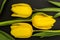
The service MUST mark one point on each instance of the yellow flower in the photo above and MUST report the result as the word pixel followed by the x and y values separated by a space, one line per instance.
pixel 21 10
pixel 43 21
pixel 21 30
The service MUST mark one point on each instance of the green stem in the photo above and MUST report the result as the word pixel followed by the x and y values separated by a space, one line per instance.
pixel 46 30
pixel 37 30
pixel 2 5
pixel 12 21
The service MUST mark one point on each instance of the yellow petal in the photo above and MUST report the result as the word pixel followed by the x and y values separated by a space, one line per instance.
pixel 20 4
pixel 42 21
pixel 21 30
pixel 23 10
pixel 15 15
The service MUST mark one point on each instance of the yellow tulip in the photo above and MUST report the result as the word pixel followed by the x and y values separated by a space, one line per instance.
pixel 21 10
pixel 21 30
pixel 43 21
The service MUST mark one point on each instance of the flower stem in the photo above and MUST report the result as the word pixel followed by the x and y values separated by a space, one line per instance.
pixel 46 30
pixel 2 5
pixel 37 30
pixel 12 21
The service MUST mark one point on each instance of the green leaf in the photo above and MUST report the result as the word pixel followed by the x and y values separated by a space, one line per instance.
pixel 2 5
pixel 5 36
pixel 49 9
pixel 57 15
pixel 48 33
pixel 55 3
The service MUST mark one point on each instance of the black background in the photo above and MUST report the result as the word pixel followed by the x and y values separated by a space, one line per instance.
pixel 6 15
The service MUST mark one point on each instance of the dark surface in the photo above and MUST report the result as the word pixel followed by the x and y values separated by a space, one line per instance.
pixel 6 15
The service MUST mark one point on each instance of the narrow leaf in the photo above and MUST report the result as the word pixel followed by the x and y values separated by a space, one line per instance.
pixel 2 5
pixel 49 9
pixel 48 33
pixel 5 36
pixel 55 3
pixel 2 37
pixel 57 15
